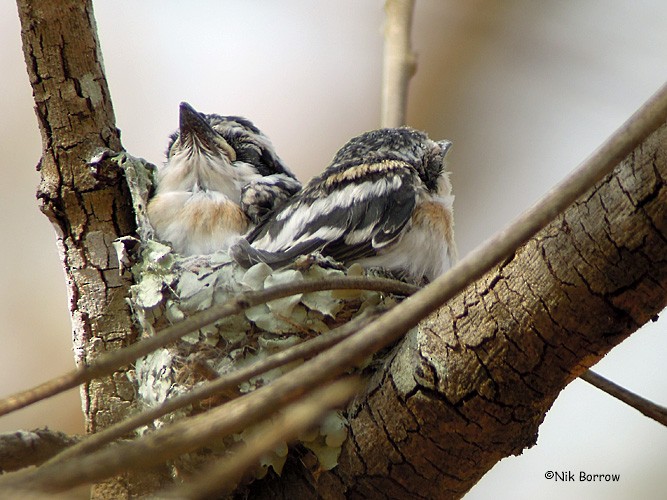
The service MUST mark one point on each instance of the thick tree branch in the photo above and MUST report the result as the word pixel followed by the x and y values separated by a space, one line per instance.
pixel 24 448
pixel 75 118
pixel 472 384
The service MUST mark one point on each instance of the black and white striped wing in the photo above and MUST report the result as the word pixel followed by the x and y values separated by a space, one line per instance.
pixel 347 215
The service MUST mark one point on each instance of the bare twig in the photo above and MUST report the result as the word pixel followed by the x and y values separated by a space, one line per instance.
pixel 399 63
pixel 194 432
pixel 304 350
pixel 108 363
pixel 223 476
pixel 23 448
pixel 648 408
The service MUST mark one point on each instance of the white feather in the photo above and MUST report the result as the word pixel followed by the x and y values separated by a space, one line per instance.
pixel 418 253
pixel 186 172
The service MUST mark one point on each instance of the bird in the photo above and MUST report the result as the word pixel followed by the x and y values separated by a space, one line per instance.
pixel 384 201
pixel 221 177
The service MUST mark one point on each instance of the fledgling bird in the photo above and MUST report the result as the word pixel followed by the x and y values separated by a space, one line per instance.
pixel 384 201
pixel 221 177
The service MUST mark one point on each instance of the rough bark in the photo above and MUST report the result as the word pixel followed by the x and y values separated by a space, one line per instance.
pixel 25 448
pixel 76 118
pixel 473 383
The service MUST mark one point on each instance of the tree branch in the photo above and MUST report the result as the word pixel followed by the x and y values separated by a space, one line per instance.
pixel 643 405
pixel 24 448
pixel 469 386
pixel 304 350
pixel 473 384
pixel 113 361
pixel 189 434
pixel 399 62
pixel 223 476
pixel 75 117
pixel 456 393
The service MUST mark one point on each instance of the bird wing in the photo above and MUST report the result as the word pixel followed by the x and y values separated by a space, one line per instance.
pixel 348 215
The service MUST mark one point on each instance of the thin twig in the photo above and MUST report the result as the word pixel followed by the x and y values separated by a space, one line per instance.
pixel 648 408
pixel 188 434
pixel 304 350
pixel 222 477
pixel 108 363
pixel 399 63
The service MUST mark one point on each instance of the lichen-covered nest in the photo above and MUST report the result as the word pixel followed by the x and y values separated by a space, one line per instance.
pixel 169 288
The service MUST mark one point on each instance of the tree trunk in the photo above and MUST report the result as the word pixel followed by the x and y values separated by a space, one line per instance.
pixel 88 212
pixel 76 118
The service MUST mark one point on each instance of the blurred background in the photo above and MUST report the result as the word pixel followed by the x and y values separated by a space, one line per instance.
pixel 524 89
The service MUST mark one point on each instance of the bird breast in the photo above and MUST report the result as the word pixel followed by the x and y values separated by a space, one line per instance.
pixel 199 222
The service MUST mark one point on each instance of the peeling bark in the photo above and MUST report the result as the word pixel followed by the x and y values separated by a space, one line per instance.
pixel 75 118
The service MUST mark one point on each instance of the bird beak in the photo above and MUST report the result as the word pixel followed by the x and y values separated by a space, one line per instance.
pixel 445 145
pixel 196 132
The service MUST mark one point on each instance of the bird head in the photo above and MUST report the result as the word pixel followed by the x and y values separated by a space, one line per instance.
pixel 425 156
pixel 196 136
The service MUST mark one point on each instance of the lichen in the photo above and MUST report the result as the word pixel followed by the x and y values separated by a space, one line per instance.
pixel 169 288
